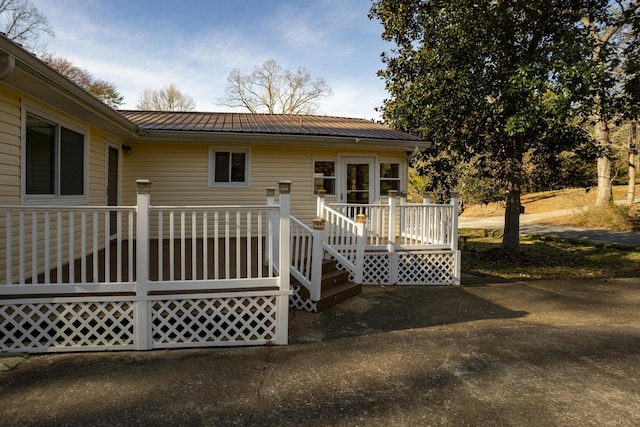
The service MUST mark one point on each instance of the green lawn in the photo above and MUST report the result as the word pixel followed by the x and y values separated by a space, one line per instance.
pixel 546 258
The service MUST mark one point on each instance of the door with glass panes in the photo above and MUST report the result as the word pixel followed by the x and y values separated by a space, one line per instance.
pixel 357 186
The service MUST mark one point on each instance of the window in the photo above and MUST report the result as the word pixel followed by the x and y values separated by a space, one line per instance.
pixel 228 167
pixel 54 159
pixel 389 178
pixel 324 177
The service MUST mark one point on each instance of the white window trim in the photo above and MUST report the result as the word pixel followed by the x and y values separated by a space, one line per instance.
pixel 335 176
pixel 401 179
pixel 247 171
pixel 49 199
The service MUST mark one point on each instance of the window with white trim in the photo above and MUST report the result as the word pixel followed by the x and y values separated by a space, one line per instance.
pixel 228 167
pixel 54 159
pixel 324 177
pixel 389 178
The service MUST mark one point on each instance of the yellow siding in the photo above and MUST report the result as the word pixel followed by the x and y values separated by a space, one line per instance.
pixel 179 174
pixel 10 171
pixel 9 147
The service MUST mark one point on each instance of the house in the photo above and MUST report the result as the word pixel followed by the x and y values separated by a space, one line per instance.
pixel 141 230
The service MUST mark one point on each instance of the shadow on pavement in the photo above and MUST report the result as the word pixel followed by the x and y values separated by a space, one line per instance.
pixel 394 308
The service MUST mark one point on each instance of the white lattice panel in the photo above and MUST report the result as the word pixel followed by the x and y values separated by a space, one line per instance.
pixel 64 326
pixel 299 303
pixel 426 268
pixel 211 320
pixel 376 268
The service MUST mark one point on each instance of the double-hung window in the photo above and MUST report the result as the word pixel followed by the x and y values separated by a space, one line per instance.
pixel 54 159
pixel 228 167
pixel 389 178
pixel 324 177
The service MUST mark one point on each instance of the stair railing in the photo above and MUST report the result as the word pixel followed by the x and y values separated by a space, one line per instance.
pixel 344 239
pixel 304 265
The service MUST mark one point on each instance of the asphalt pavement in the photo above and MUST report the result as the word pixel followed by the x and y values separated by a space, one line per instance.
pixel 529 224
pixel 529 353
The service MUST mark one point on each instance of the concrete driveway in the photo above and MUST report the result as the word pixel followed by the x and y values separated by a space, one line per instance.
pixel 539 353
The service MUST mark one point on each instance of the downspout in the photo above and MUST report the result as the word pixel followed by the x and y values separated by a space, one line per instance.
pixel 7 65
pixel 414 153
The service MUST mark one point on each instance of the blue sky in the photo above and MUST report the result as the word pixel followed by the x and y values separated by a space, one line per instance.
pixel 140 44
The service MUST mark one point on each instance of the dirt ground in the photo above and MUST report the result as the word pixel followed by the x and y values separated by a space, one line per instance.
pixel 513 354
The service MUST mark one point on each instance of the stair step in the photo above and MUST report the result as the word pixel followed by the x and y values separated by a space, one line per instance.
pixel 337 294
pixel 333 278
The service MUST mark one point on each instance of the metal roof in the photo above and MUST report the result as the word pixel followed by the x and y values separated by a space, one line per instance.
pixel 274 124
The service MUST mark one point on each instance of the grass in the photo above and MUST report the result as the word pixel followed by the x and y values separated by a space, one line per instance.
pixel 545 258
pixel 547 201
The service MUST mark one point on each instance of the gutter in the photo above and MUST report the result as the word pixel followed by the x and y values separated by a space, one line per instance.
pixel 175 136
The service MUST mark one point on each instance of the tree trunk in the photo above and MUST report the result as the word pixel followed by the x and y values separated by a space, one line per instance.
pixel 605 190
pixel 511 236
pixel 633 164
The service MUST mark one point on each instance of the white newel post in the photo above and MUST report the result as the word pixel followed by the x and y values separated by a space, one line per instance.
pixel 361 219
pixel 454 220
pixel 320 202
pixel 284 265
pixel 426 227
pixel 273 228
pixel 455 197
pixel 393 256
pixel 317 255
pixel 142 327
pixel 393 205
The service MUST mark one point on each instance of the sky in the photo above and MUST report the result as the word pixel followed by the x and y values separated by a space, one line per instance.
pixel 138 44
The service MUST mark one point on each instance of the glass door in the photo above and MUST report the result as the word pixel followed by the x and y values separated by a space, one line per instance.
pixel 358 179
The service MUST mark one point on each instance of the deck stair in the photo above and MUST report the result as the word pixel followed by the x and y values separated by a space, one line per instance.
pixel 336 286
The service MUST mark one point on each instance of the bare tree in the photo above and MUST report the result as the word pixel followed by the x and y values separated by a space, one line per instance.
pixel 23 23
pixel 274 90
pixel 169 98
pixel 102 89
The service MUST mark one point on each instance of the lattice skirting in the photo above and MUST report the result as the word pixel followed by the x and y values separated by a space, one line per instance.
pixel 213 321
pixel 85 323
pixel 411 268
pixel 66 325
pixel 297 301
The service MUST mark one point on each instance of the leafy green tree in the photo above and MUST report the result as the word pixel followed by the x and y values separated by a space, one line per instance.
pixel 614 30
pixel 485 80
pixel 104 90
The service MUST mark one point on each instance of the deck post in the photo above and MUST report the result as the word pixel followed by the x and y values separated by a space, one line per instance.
pixel 393 204
pixel 284 265
pixel 426 227
pixel 361 219
pixel 316 259
pixel 320 202
pixel 272 218
pixel 454 237
pixel 142 326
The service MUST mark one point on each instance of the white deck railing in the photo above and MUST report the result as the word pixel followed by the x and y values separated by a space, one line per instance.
pixel 406 225
pixel 70 245
pixel 80 278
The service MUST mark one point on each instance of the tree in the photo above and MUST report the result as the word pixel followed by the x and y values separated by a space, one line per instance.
pixel 488 81
pixel 169 98
pixel 273 90
pixel 614 29
pixel 104 90
pixel 23 23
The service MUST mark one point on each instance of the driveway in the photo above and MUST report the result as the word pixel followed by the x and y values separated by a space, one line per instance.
pixel 529 224
pixel 514 354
